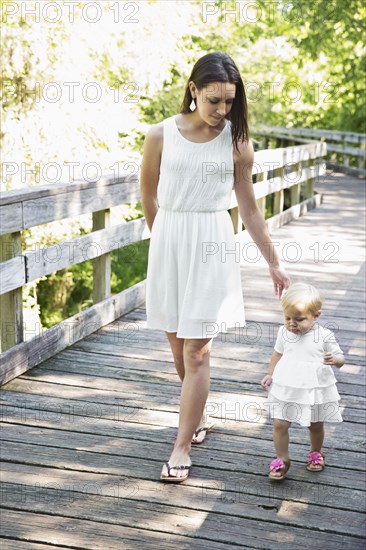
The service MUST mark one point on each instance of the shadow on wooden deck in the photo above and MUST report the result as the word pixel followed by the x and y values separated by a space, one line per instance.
pixel 85 434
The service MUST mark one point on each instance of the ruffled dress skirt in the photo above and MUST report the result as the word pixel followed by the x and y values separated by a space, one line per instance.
pixel 305 393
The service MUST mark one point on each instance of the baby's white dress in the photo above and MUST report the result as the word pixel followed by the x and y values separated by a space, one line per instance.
pixel 193 279
pixel 303 388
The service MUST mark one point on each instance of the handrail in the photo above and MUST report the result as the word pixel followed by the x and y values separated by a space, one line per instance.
pixel 330 135
pixel 277 171
pixel 342 156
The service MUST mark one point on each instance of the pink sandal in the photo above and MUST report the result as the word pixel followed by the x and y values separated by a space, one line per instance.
pixel 316 458
pixel 281 466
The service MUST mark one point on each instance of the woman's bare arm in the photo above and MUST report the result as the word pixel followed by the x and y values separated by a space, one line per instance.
pixel 252 216
pixel 150 171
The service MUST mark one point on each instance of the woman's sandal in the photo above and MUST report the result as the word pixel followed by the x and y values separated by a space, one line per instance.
pixel 205 429
pixel 175 479
pixel 316 458
pixel 281 466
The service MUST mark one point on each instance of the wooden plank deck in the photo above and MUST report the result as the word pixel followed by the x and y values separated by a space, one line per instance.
pixel 85 434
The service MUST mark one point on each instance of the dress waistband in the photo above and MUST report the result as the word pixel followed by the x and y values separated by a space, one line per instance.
pixel 192 211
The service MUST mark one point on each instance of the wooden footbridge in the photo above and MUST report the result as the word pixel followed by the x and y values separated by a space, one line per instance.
pixel 90 407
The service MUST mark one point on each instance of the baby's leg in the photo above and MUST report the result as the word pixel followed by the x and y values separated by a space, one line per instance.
pixel 316 431
pixel 281 438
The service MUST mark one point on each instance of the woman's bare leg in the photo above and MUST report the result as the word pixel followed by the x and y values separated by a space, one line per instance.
pixel 177 345
pixel 195 386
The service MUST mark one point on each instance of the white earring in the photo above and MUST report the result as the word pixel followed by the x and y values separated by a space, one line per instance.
pixel 192 105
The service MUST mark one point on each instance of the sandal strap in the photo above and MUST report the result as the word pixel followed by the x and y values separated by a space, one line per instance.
pixel 180 467
pixel 203 429
pixel 206 428
pixel 277 464
pixel 315 458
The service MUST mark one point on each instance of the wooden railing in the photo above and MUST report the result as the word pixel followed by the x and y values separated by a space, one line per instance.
pixel 346 150
pixel 290 170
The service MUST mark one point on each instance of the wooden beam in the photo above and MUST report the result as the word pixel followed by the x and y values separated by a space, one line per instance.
pixel 278 202
pixel 101 264
pixel 291 179
pixel 271 159
pixel 26 355
pixel 356 172
pixel 361 159
pixel 332 135
pixel 12 274
pixel 294 212
pixel 262 178
pixel 354 151
pixel 262 205
pixel 11 306
pixel 43 205
pixel 46 260
pixel 11 216
pixel 47 191
pixel 295 194
pixel 278 198
pixel 236 219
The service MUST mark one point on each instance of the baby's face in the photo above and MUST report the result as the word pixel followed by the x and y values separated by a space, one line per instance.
pixel 298 319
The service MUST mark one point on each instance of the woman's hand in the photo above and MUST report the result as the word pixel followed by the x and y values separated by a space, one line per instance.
pixel 280 279
pixel 266 382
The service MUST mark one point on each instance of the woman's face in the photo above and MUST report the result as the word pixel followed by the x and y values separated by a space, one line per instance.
pixel 214 101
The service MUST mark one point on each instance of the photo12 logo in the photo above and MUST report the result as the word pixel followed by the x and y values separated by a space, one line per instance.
pixel 255 11
pixel 69 92
pixel 69 10
pixel 67 172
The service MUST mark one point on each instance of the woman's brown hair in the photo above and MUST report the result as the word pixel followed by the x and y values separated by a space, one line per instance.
pixel 219 67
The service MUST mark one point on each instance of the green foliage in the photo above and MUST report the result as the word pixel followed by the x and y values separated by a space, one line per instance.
pixel 69 291
pixel 333 31
pixel 129 265
pixel 162 104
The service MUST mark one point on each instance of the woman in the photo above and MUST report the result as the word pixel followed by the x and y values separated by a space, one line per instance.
pixel 190 163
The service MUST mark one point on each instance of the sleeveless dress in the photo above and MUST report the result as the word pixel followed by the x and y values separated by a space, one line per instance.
pixel 303 388
pixel 193 280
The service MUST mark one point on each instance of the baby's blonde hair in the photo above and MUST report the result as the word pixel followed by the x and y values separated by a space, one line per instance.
pixel 304 293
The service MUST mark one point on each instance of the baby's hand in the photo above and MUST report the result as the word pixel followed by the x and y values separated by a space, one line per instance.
pixel 336 360
pixel 266 382
pixel 328 359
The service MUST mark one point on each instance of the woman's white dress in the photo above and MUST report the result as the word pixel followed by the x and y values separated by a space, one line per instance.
pixel 303 388
pixel 193 280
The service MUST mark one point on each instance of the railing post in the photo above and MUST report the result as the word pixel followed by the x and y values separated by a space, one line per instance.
pixel 345 156
pixel 361 159
pixel 295 190
pixel 262 205
pixel 309 183
pixel 236 219
pixel 262 200
pixel 11 303
pixel 102 264
pixel 278 195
